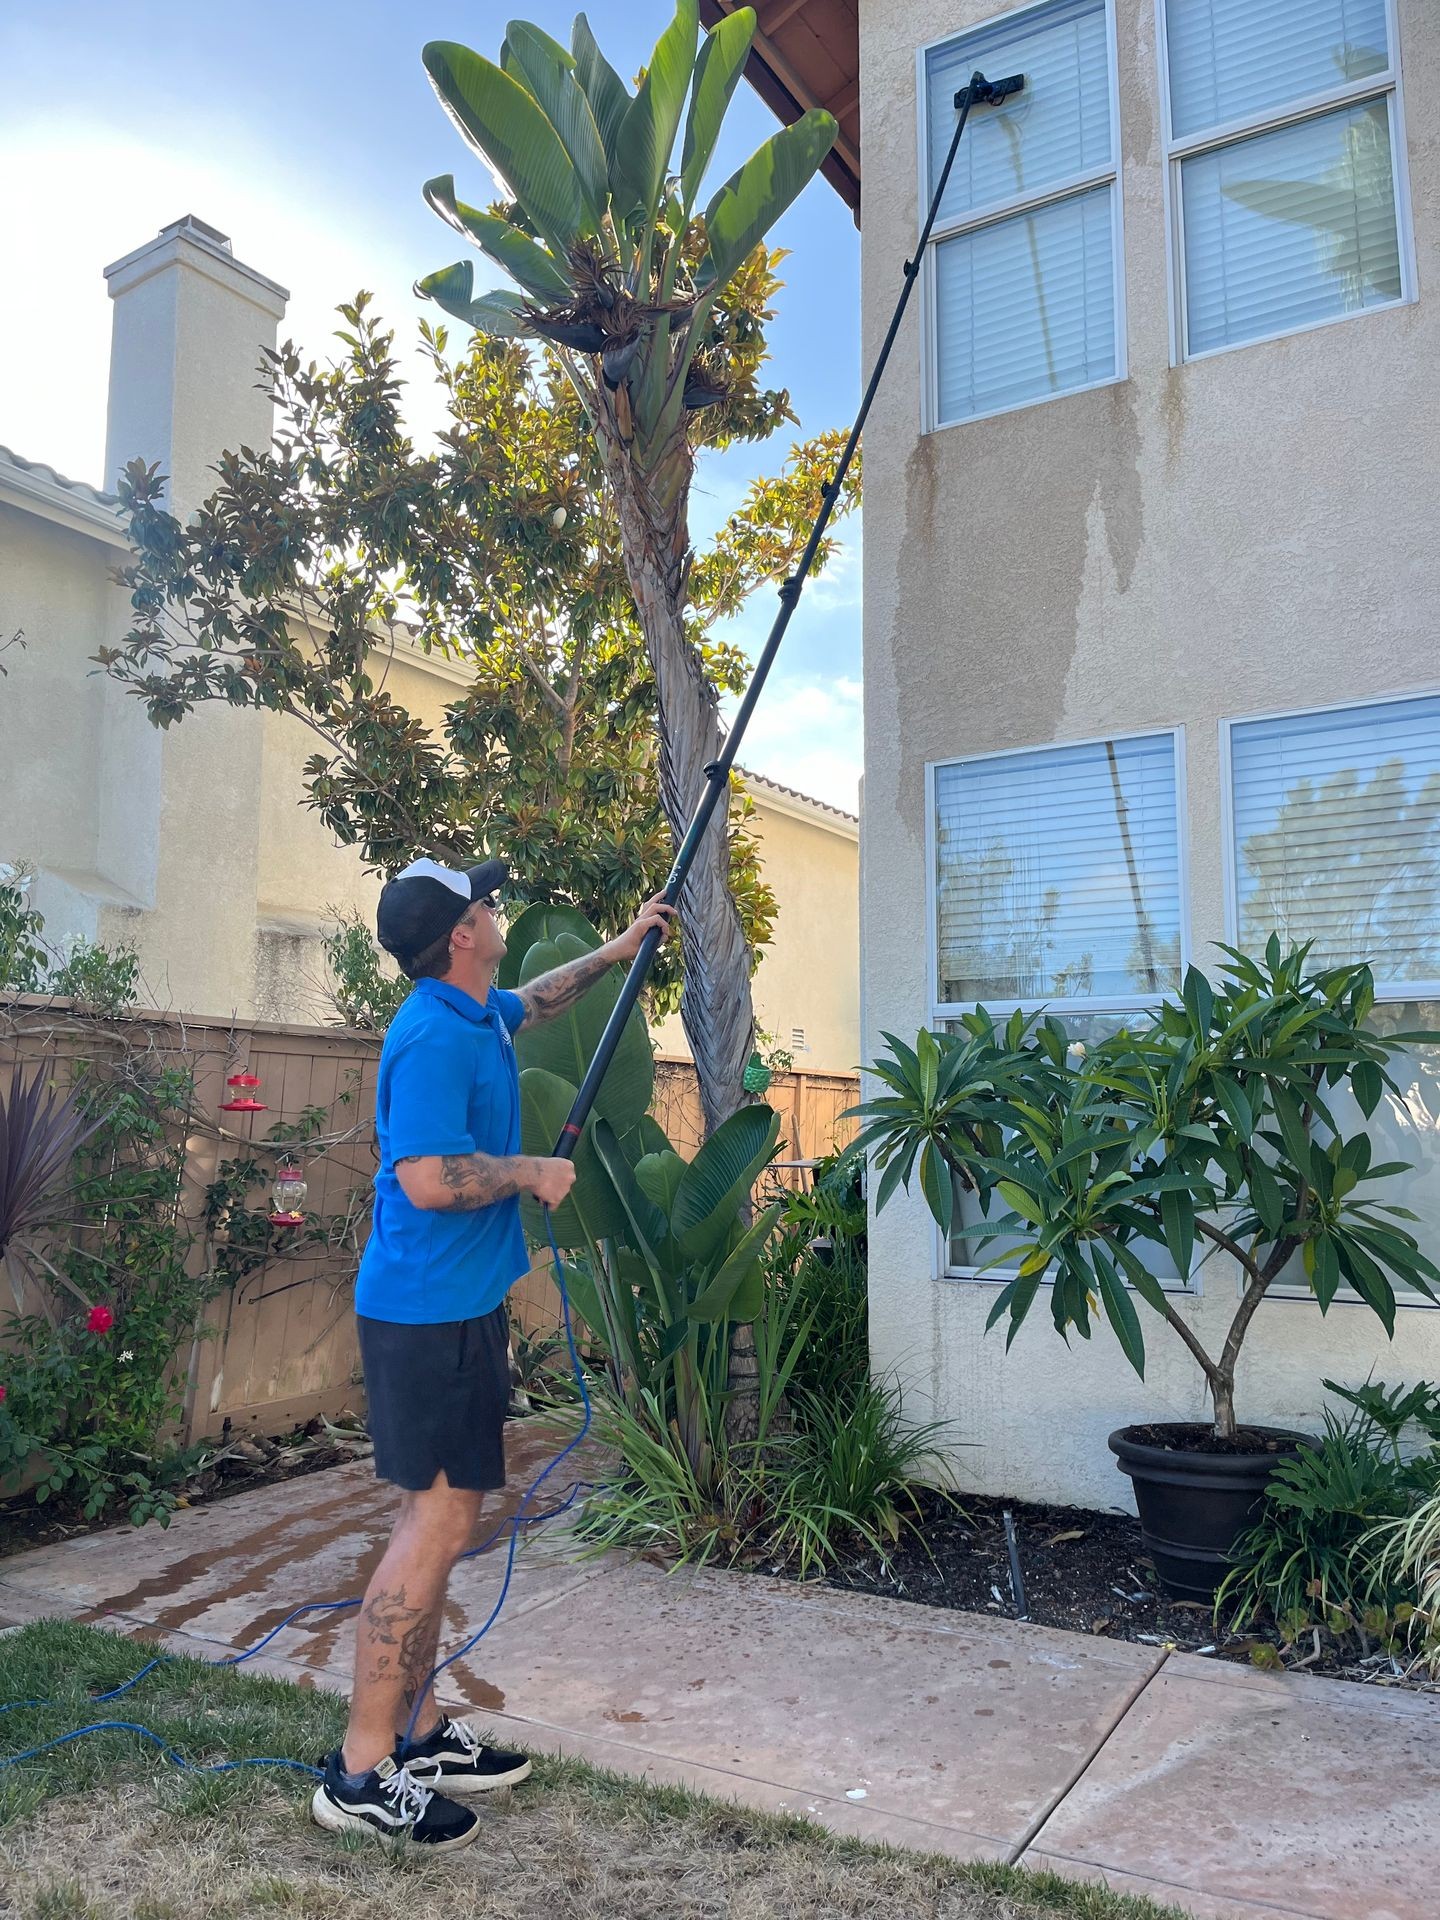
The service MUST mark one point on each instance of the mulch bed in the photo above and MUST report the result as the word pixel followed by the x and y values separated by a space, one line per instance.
pixel 1084 1571
pixel 233 1467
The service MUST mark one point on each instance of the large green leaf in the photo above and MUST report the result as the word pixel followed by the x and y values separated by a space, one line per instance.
pixel 719 1178
pixel 659 1175
pixel 593 1208
pixel 733 1293
pixel 722 61
pixel 648 1227
pixel 1120 1310
pixel 652 120
pixel 540 921
pixel 566 1044
pixel 507 127
pixel 752 199
pixel 525 261
pixel 544 66
pixel 499 314
pixel 607 93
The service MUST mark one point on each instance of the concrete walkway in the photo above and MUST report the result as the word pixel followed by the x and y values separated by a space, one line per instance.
pixel 1235 1795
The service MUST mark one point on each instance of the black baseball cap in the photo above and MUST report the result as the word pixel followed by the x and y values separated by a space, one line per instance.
pixel 424 901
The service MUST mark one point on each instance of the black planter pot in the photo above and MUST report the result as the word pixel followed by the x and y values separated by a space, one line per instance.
pixel 1194 1506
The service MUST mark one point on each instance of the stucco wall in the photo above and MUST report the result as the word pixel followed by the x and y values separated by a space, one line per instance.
pixel 1246 533
pixel 809 976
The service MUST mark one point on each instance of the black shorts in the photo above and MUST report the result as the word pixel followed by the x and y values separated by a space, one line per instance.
pixel 438 1397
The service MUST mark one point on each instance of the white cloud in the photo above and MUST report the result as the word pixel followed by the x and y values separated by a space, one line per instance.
pixel 59 331
pixel 807 734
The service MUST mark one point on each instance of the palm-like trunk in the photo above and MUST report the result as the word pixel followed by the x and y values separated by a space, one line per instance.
pixel 654 534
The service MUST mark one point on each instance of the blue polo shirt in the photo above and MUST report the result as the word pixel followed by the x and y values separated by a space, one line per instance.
pixel 448 1084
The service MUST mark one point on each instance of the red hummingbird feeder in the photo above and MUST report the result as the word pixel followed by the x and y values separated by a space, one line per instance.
pixel 242 1095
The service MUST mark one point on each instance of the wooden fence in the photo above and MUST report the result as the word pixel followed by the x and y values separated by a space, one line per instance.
pixel 279 1345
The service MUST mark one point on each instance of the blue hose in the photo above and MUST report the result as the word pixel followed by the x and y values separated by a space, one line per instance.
pixel 520 1518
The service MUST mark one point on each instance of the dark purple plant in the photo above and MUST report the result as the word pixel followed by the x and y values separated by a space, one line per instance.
pixel 41 1130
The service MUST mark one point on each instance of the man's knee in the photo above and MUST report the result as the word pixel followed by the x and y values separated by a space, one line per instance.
pixel 444 1515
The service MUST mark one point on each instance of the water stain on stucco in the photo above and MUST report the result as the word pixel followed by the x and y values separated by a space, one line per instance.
pixel 975 673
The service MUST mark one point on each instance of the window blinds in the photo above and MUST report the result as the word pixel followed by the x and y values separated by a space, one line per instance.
pixel 1290 228
pixel 1026 308
pixel 1337 835
pixel 1059 874
pixel 1231 59
pixel 1057 128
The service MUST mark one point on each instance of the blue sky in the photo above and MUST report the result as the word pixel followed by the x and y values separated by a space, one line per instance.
pixel 304 131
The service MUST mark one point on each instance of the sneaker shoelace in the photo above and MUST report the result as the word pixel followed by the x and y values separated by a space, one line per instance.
pixel 407 1796
pixel 458 1731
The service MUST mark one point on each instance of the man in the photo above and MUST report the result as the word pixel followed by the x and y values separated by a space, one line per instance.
pixel 444 1249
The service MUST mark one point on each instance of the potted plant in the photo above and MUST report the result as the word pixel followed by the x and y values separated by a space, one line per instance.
pixel 1209 1130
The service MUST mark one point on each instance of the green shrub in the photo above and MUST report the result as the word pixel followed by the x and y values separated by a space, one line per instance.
pixel 1313 1563
pixel 104 978
pixel 91 1385
pixel 364 985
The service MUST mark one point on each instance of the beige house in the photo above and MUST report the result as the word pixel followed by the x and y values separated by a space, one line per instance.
pixel 191 845
pixel 1150 601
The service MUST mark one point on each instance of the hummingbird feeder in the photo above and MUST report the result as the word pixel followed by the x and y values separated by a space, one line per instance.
pixel 242 1095
pixel 289 1193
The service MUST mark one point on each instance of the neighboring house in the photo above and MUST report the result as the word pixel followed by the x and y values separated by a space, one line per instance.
pixel 192 845
pixel 1151 591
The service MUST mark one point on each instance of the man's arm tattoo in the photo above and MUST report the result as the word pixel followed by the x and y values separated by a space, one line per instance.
pixel 474 1180
pixel 553 992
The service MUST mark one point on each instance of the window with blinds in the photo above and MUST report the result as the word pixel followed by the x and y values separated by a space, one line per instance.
pixel 1284 165
pixel 1058 876
pixel 1023 269
pixel 1336 837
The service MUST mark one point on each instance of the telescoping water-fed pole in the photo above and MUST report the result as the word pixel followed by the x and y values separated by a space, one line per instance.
pixel 978 92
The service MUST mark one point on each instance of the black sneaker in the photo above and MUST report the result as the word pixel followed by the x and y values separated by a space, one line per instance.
pixel 452 1759
pixel 392 1802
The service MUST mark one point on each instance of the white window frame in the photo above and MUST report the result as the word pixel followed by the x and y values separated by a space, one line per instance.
pixel 946 1010
pixel 1054 191
pixel 1374 86
pixel 1385 991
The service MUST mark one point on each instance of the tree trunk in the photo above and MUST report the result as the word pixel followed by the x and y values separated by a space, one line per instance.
pixel 1222 1393
pixel 715 1008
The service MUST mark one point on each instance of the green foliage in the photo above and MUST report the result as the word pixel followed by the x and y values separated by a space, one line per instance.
pixel 104 978
pixel 1314 1564
pixel 670 1263
pixel 1210 1127
pixel 364 984
pixel 600 235
pixel 316 562
pixel 110 1282
pixel 846 1473
pixel 88 1407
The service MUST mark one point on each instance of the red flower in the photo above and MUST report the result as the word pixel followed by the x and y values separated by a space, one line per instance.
pixel 101 1320
pixel 3 1392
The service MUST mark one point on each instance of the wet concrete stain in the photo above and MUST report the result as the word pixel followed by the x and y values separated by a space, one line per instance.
pixel 999 1663
pixel 477 1692
pixel 625 1719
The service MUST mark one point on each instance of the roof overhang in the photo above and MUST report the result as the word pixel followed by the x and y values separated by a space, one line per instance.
pixel 807 54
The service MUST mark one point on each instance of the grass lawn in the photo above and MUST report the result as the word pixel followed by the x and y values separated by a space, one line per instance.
pixel 104 1827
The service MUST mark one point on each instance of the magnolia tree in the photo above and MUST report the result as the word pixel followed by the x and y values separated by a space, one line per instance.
pixel 318 563
pixel 614 265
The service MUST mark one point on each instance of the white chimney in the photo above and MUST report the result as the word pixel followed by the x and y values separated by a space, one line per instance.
pixel 190 321
pixel 178 813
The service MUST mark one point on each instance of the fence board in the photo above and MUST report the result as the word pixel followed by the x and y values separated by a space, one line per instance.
pixel 280 1345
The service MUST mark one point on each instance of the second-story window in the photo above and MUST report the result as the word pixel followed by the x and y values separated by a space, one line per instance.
pixel 1024 266
pixel 1287 194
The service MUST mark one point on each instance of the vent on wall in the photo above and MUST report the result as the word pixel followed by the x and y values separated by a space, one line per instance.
pixel 797 1040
